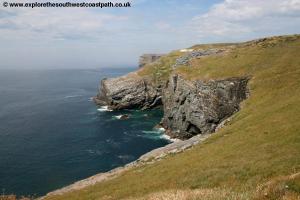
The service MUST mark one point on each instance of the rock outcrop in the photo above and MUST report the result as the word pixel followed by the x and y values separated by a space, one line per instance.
pixel 148 58
pixel 190 107
pixel 197 107
pixel 128 92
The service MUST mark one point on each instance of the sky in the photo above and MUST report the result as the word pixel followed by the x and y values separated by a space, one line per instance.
pixel 67 38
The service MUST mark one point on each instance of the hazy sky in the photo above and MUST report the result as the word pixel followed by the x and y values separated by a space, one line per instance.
pixel 116 37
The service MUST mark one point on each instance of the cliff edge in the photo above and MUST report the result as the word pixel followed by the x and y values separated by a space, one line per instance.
pixel 190 107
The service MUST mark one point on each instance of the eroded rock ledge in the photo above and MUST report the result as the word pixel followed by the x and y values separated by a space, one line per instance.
pixel 190 107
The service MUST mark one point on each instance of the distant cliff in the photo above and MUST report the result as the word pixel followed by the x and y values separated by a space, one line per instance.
pixel 148 58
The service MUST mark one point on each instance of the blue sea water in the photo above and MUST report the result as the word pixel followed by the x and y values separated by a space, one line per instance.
pixel 52 134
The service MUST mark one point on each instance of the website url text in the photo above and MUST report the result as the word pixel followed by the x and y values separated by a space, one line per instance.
pixel 67 5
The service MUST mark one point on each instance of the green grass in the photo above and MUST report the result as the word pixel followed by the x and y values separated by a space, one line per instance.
pixel 161 69
pixel 262 141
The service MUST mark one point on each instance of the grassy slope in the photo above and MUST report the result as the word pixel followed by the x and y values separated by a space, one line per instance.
pixel 262 141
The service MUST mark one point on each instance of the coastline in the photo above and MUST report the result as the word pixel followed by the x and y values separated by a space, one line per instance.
pixel 148 158
pixel 132 91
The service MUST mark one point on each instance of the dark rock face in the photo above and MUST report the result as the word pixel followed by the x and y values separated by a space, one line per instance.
pixel 190 107
pixel 197 107
pixel 128 92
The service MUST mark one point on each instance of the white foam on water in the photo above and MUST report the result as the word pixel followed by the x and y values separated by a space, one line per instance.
pixel 158 133
pixel 151 132
pixel 117 116
pixel 154 134
pixel 104 109
pixel 162 131
pixel 72 96
pixel 166 137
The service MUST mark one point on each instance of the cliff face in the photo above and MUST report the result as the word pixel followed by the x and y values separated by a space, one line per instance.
pixel 128 92
pixel 190 107
pixel 197 107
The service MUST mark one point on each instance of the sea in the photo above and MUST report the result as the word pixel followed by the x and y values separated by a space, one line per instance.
pixel 52 134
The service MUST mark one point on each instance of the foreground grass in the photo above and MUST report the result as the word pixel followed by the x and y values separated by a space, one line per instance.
pixel 285 188
pixel 261 143
pixel 204 194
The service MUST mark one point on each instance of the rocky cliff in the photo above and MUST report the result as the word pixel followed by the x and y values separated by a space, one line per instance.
pixel 190 107
pixel 128 92
pixel 197 107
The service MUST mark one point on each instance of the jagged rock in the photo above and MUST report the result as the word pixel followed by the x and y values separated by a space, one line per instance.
pixel 128 92
pixel 190 107
pixel 197 107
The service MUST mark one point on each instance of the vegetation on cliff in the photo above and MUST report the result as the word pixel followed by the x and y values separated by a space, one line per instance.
pixel 256 156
